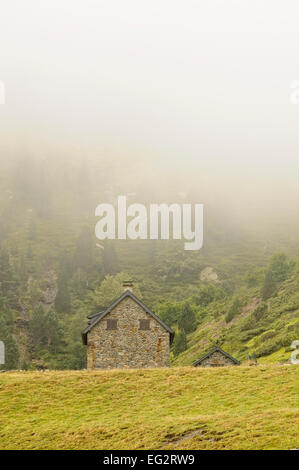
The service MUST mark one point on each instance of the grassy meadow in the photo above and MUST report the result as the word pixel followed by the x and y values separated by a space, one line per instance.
pixel 178 408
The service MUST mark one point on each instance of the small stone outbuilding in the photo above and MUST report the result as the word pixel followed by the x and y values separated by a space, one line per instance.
pixel 216 358
pixel 127 335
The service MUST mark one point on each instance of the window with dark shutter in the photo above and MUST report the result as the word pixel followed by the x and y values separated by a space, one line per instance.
pixel 111 324
pixel 144 325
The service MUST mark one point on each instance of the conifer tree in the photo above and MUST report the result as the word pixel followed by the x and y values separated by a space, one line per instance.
pixel 84 250
pixel 63 298
pixel 269 285
pixel 11 349
pixel 187 319
pixel 110 261
pixel 180 342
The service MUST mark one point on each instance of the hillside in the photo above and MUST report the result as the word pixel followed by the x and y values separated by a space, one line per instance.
pixel 180 408
pixel 53 273
pixel 249 323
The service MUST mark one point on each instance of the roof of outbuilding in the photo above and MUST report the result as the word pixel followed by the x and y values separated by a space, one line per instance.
pixel 93 315
pixel 96 317
pixel 212 352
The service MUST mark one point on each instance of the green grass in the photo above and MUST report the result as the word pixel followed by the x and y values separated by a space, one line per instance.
pixel 268 333
pixel 278 356
pixel 179 408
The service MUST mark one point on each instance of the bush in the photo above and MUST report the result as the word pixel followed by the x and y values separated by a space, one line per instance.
pixel 254 277
pixel 169 312
pixel 267 349
pixel 260 311
pixel 268 335
pixel 247 335
pixel 207 294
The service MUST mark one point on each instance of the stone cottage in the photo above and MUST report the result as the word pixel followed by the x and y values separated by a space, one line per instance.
pixel 216 358
pixel 127 335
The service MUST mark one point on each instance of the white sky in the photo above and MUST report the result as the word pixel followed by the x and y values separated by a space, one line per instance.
pixel 199 84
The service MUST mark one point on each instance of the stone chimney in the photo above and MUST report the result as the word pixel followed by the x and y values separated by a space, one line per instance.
pixel 128 285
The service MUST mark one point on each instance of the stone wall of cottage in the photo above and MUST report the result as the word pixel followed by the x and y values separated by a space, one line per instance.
pixel 217 359
pixel 127 346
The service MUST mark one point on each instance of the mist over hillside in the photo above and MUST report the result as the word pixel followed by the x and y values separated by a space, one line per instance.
pixel 53 269
pixel 171 103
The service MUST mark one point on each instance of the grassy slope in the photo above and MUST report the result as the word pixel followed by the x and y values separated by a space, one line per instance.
pixel 182 408
pixel 270 336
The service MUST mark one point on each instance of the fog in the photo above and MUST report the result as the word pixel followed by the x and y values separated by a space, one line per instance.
pixel 186 100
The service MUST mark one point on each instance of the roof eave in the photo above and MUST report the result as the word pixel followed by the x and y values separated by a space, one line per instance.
pixel 235 361
pixel 116 302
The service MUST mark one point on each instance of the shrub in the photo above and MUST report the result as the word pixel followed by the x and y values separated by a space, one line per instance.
pixel 268 334
pixel 260 311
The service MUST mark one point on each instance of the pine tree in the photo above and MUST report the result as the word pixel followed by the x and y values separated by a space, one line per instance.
pixel 280 267
pixel 180 342
pixel 53 329
pixel 110 261
pixel 84 253
pixel 11 353
pixel 269 285
pixel 110 289
pixel 7 279
pixel 187 319
pixel 63 298
pixel 75 350
pixel 11 349
pixel 37 327
pixel 234 310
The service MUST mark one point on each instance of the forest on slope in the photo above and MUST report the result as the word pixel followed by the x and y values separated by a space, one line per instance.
pixel 240 291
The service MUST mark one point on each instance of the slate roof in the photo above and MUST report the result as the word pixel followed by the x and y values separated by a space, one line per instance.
pixel 96 317
pixel 93 315
pixel 197 363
